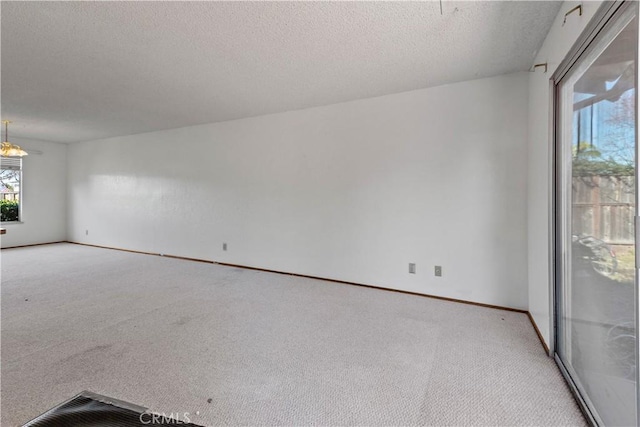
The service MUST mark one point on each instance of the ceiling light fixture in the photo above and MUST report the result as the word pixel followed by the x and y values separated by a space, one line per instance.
pixel 8 149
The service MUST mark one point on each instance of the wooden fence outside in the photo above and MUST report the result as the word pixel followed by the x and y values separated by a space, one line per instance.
pixel 10 195
pixel 603 207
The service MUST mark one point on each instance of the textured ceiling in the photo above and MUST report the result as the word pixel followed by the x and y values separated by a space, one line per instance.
pixel 74 71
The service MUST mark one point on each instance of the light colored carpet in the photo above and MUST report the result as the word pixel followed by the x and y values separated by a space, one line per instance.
pixel 266 349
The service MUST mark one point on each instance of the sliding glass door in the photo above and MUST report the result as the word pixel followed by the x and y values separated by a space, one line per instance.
pixel 596 198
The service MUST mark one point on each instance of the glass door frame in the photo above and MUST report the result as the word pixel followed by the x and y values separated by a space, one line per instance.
pixel 608 12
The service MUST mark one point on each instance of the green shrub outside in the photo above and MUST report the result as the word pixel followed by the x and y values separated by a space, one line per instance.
pixel 9 210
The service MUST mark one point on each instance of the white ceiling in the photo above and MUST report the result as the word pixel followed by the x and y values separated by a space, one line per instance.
pixel 75 71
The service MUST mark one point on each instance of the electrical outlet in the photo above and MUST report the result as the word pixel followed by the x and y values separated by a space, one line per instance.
pixel 438 270
pixel 412 268
pixel 86 232
pixel 224 246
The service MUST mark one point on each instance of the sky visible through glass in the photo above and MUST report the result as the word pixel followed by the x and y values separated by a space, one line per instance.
pixel 606 129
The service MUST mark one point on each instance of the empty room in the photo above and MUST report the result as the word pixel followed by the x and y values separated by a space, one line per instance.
pixel 319 213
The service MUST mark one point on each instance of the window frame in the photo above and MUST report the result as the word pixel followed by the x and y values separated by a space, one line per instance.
pixel 20 191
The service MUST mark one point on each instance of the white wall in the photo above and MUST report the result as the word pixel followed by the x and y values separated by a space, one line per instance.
pixel 556 46
pixel 352 191
pixel 44 196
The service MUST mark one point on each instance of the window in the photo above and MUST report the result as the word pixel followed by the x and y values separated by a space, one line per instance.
pixel 10 188
pixel 596 239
